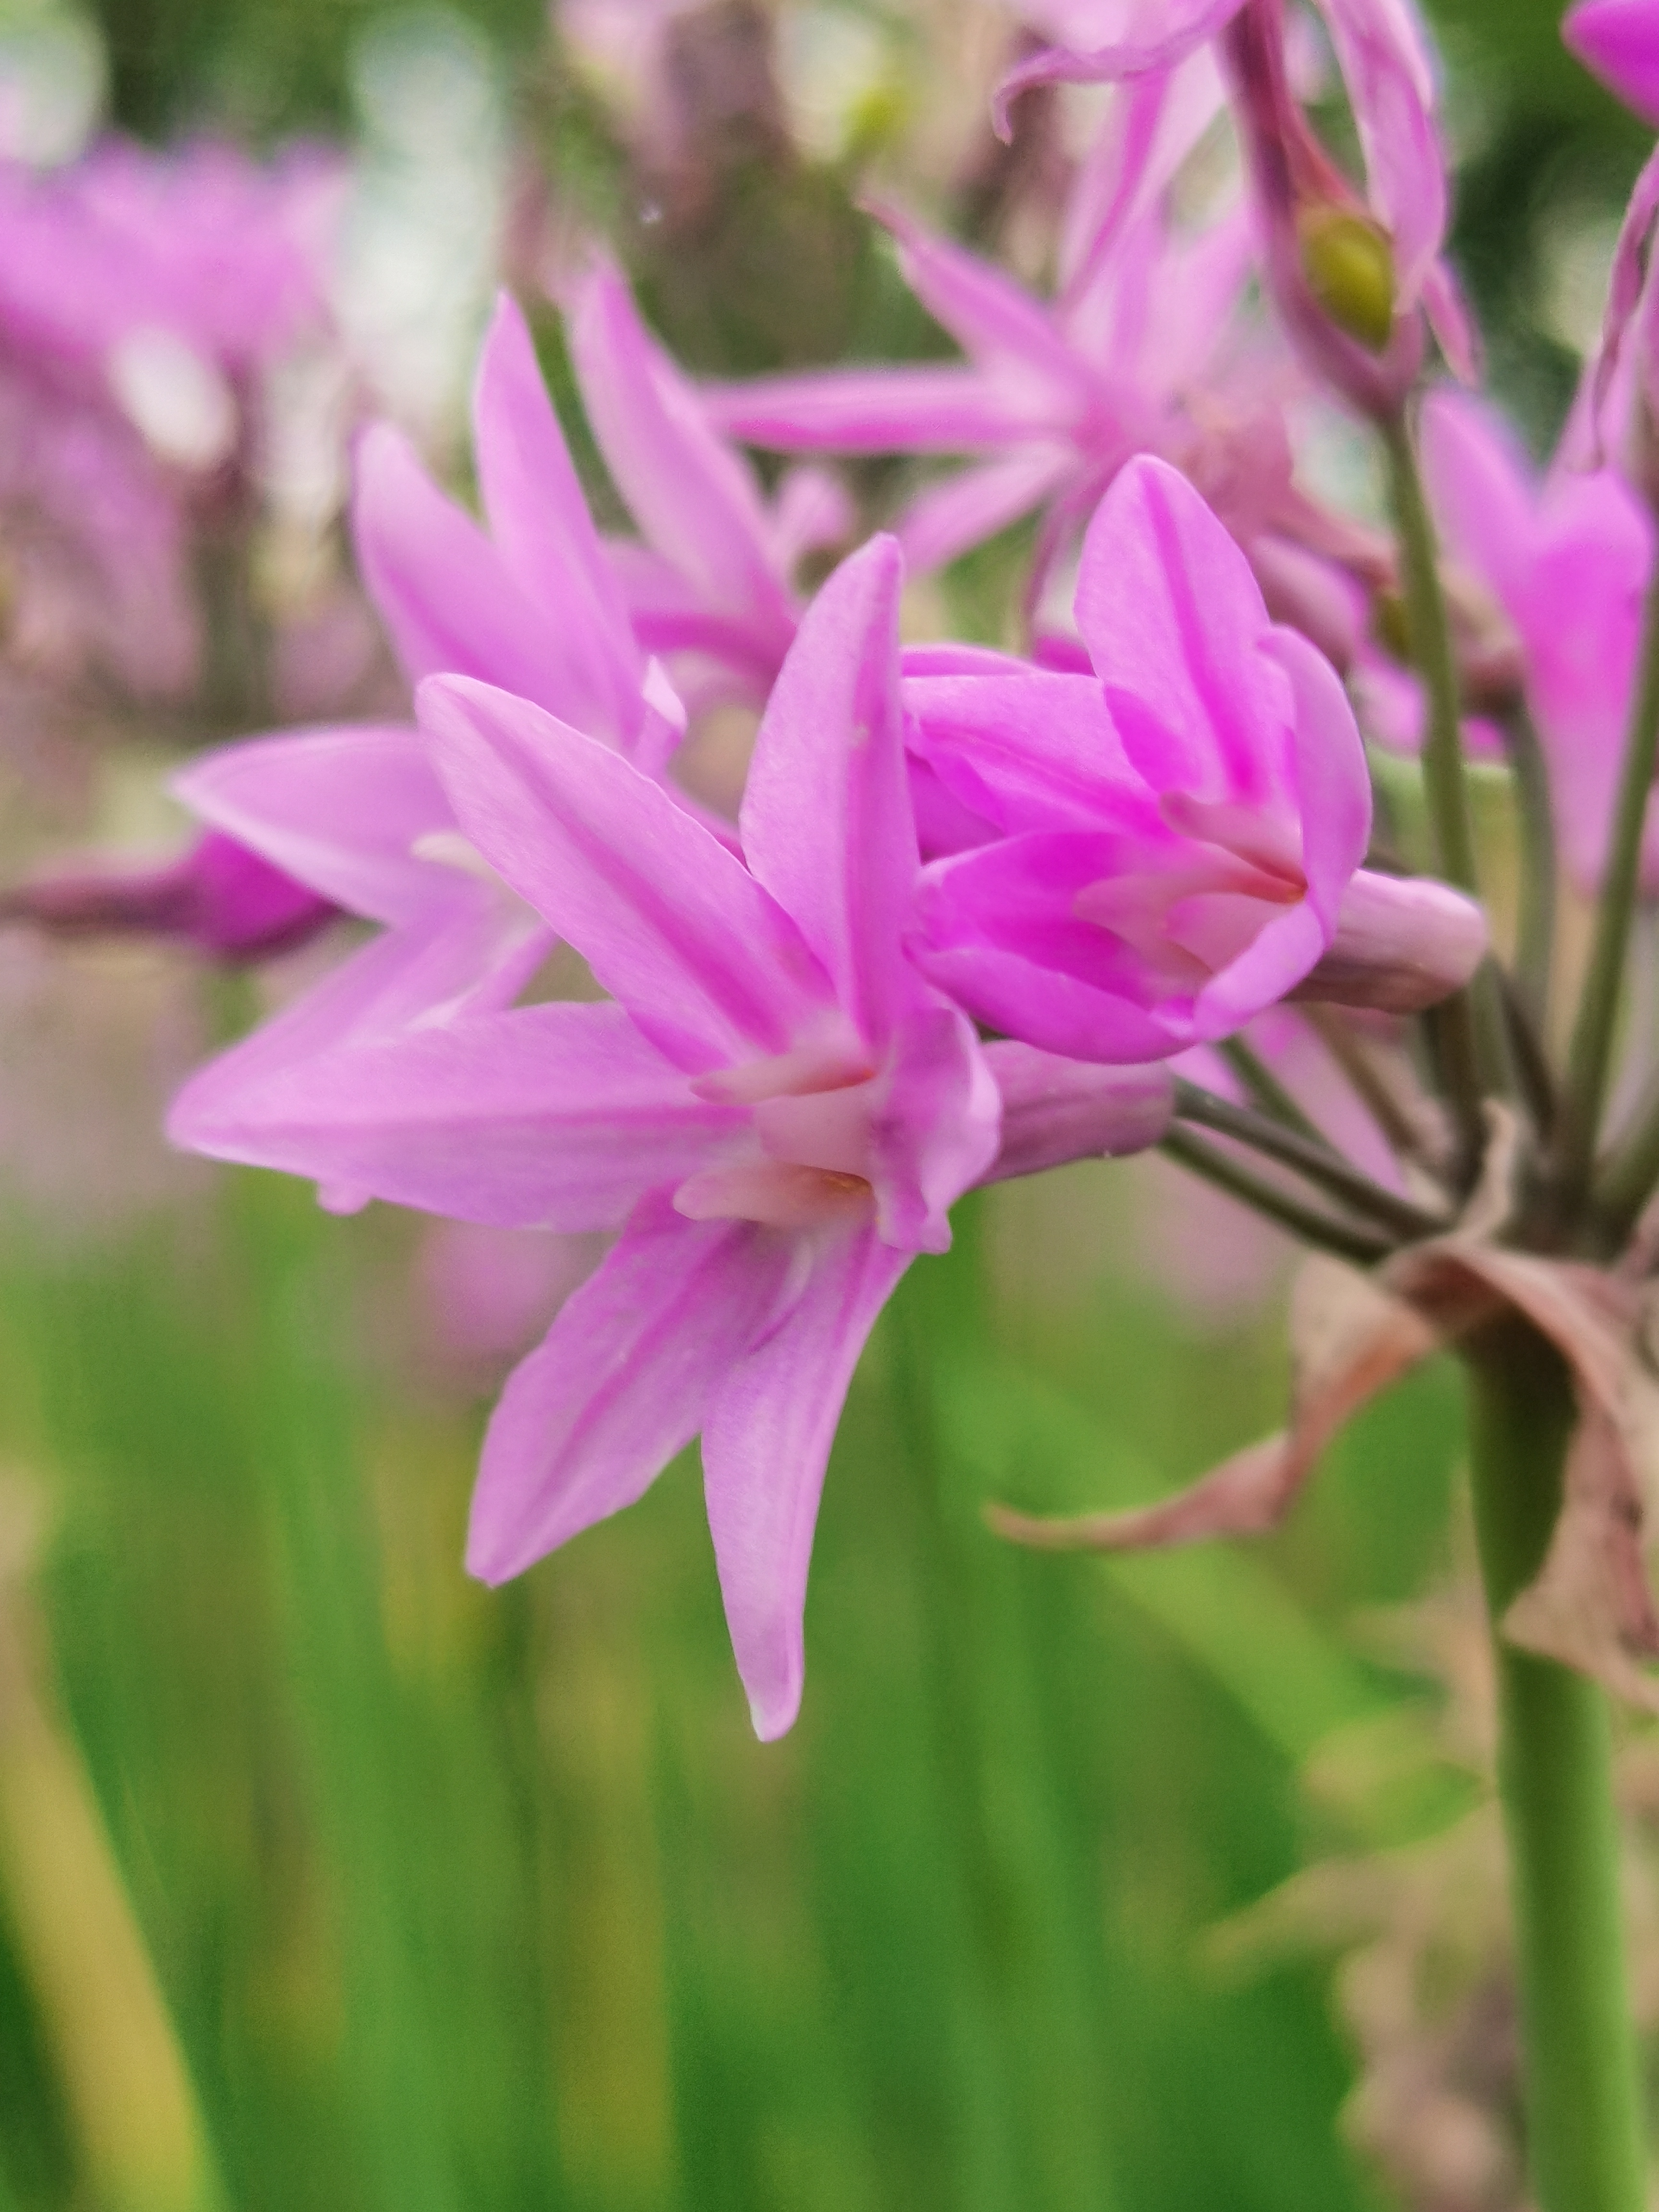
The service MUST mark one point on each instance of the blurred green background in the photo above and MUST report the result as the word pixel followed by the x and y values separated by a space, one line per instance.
pixel 328 1878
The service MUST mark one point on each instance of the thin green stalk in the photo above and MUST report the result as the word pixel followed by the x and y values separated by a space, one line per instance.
pixel 1472 1022
pixel 1268 1092
pixel 1323 1230
pixel 1591 1053
pixel 1583 2118
pixel 1371 1087
pixel 1314 1162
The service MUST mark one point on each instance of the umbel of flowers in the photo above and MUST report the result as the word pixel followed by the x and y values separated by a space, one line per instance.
pixel 978 915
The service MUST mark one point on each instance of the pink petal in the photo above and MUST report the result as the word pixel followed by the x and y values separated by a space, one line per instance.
pixel 940 1129
pixel 1039 1004
pixel 1035 749
pixel 825 823
pixel 692 497
pixel 946 520
pixel 1383 54
pixel 1619 41
pixel 1483 495
pixel 468 954
pixel 766 1443
pixel 1173 618
pixel 1141 39
pixel 929 408
pixel 554 1116
pixel 672 925
pixel 1333 785
pixel 622 1382
pixel 443 589
pixel 539 522
pixel 990 317
pixel 340 810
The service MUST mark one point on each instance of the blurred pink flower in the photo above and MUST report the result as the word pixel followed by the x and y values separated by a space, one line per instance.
pixel 219 898
pixel 1565 565
pixel 1384 57
pixel 139 293
pixel 199 242
pixel 1130 356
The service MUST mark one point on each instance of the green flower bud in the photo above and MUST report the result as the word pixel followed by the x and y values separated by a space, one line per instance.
pixel 1349 264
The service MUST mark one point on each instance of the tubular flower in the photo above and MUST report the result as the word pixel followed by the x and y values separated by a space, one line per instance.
pixel 776 1111
pixel 1172 843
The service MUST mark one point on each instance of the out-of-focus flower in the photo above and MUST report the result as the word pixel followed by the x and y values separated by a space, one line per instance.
pixel 219 898
pixel 141 295
pixel 1177 838
pixel 1564 568
pixel 201 244
pixel 1349 271
pixel 1129 357
pixel 1619 41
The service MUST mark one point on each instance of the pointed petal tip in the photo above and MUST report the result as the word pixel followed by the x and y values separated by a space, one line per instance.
pixel 773 1714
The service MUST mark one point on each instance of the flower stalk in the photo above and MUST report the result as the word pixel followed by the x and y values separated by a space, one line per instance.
pixel 1555 1780
pixel 1471 1024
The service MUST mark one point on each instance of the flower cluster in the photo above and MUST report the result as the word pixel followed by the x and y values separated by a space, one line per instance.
pixel 978 912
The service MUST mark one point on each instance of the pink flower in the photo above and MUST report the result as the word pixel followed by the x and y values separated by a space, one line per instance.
pixel 1173 843
pixel 1358 327
pixel 139 292
pixel 1565 565
pixel 228 258
pixel 355 814
pixel 1619 41
pixel 776 1111
pixel 1056 396
pixel 219 898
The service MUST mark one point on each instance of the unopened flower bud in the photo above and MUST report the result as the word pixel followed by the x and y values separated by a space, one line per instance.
pixel 1402 943
pixel 1349 265
pixel 1056 1109
pixel 219 898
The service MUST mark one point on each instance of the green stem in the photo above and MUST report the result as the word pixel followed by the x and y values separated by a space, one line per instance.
pixel 1323 1231
pixel 1591 1053
pixel 1268 1092
pixel 1314 1162
pixel 1471 1024
pixel 1585 2137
